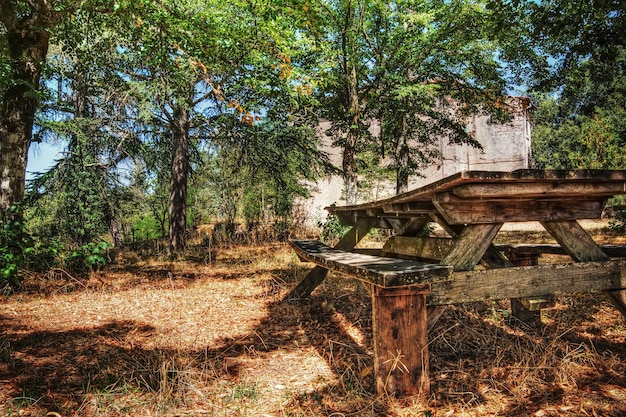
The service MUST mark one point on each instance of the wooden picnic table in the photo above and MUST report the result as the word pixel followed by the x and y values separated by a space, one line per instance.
pixel 471 206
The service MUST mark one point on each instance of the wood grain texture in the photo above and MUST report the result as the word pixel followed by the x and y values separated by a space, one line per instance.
pixel 458 210
pixel 470 246
pixel 318 274
pixel 399 321
pixel 565 185
pixel 529 281
pixel 422 247
pixel 575 240
pixel 380 271
pixel 540 189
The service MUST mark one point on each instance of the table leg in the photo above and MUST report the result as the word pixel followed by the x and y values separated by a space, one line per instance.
pixel 582 248
pixel 575 241
pixel 318 274
pixel 491 258
pixel 470 246
pixel 399 324
pixel 412 227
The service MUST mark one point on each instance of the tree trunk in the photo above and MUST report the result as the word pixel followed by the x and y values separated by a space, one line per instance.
pixel 350 174
pixel 402 156
pixel 27 36
pixel 350 171
pixel 178 185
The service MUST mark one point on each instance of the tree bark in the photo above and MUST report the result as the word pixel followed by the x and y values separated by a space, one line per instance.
pixel 178 185
pixel 402 155
pixel 350 171
pixel 351 103
pixel 27 37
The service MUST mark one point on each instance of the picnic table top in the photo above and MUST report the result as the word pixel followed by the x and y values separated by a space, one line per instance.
pixel 541 191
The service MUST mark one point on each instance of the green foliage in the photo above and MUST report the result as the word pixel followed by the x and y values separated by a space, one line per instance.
pixel 19 251
pixel 580 120
pixel 15 245
pixel 332 230
pixel 243 391
pixel 418 67
pixel 255 172
pixel 618 223
pixel 76 200
pixel 88 258
pixel 576 142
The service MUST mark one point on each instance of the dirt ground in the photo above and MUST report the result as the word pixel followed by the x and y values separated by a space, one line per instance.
pixel 151 337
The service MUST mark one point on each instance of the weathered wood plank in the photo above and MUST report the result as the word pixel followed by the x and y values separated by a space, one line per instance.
pixel 422 247
pixel 615 251
pixel 437 247
pixel 529 281
pixel 318 274
pixel 418 207
pixel 399 324
pixel 383 272
pixel 458 210
pixel 538 189
pixel 491 259
pixel 470 246
pixel 419 199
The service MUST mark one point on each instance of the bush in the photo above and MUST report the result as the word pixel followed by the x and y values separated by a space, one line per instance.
pixel 332 230
pixel 18 251
pixel 88 258
pixel 618 224
pixel 15 245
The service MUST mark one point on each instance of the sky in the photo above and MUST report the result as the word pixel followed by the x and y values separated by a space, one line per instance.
pixel 41 156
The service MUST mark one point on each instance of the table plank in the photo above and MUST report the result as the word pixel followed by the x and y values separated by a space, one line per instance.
pixel 540 189
pixel 590 188
pixel 457 210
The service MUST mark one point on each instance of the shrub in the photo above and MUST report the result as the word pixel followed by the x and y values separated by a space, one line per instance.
pixel 332 230
pixel 88 258
pixel 15 245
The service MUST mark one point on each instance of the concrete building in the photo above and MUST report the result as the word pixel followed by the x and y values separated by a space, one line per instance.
pixel 506 147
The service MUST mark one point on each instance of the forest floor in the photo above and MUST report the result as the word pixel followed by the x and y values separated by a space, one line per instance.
pixel 150 337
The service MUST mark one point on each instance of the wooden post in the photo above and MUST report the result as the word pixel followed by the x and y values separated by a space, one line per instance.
pixel 399 321
pixel 521 308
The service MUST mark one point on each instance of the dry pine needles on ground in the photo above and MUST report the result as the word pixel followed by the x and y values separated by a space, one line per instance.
pixel 153 338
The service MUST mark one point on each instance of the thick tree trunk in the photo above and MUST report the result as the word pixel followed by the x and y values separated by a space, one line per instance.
pixel 178 185
pixel 27 37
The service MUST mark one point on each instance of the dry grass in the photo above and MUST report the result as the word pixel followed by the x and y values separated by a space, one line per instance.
pixel 158 338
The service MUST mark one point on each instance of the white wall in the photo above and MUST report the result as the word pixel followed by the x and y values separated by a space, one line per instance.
pixel 506 147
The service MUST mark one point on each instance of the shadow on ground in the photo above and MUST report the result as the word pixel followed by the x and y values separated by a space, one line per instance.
pixel 476 359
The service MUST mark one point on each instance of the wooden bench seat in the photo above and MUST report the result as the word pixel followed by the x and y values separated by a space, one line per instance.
pixel 380 271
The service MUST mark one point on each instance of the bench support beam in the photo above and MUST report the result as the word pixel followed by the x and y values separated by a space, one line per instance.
pixel 399 320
